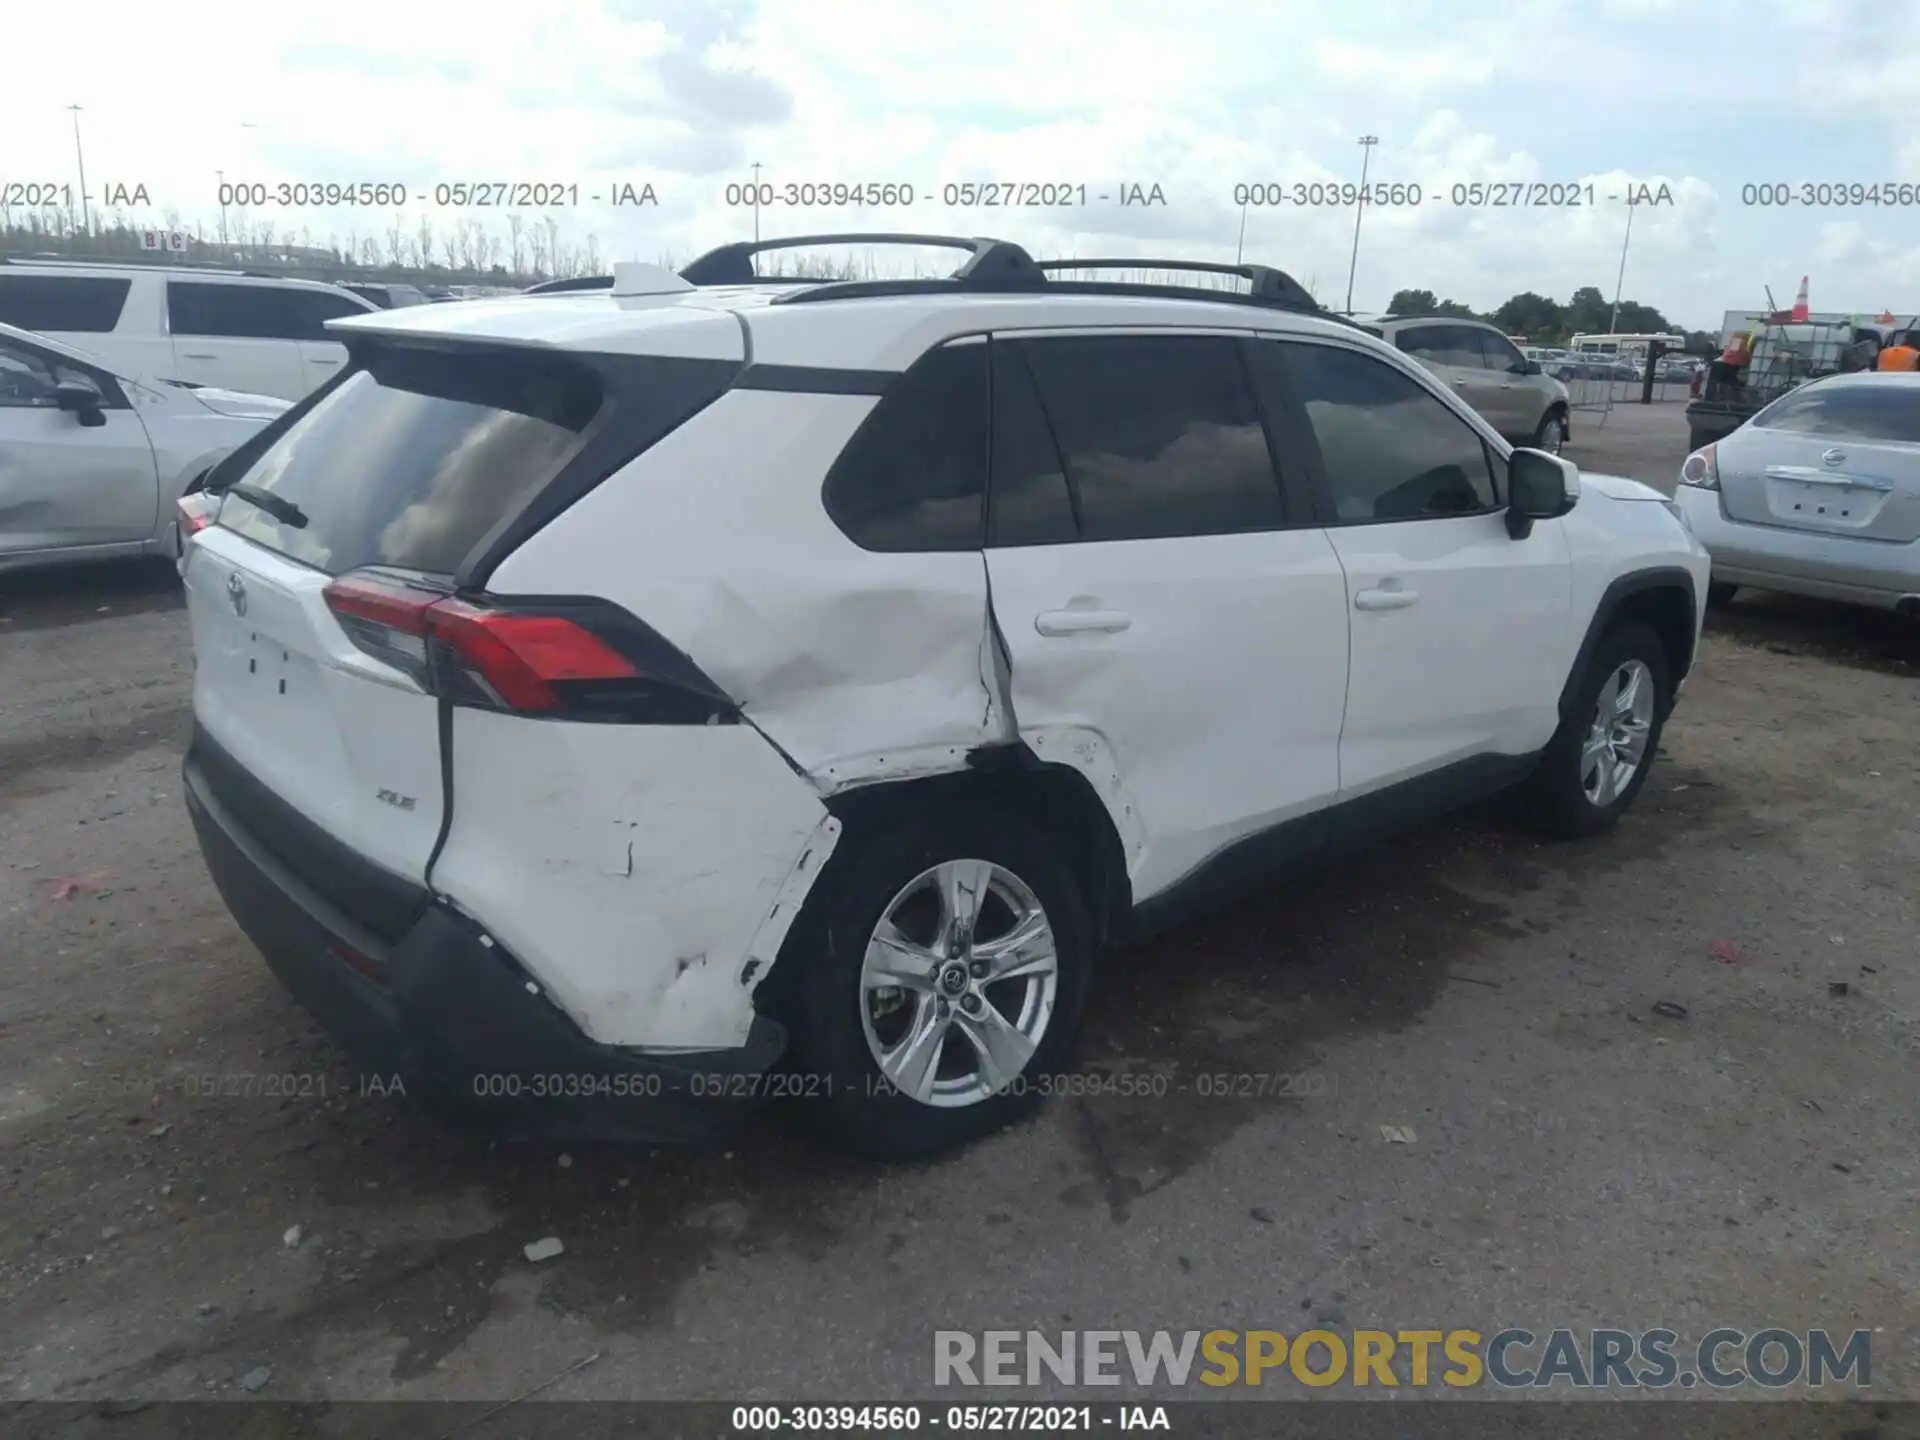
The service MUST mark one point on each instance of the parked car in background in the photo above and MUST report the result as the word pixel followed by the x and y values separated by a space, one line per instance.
pixel 92 460
pixel 1818 494
pixel 934 677
pixel 1489 372
pixel 386 296
pixel 263 335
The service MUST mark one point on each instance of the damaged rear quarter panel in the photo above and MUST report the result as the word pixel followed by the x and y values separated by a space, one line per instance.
pixel 636 871
pixel 859 666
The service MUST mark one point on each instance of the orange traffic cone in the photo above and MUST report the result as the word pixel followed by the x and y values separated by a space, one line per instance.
pixel 1800 311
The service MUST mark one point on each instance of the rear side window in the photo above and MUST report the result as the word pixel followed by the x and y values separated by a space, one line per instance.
pixel 83 304
pixel 1860 412
pixel 1159 435
pixel 415 457
pixel 1445 345
pixel 253 312
pixel 914 476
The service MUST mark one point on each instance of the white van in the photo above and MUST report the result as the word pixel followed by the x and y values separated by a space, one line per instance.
pixel 221 328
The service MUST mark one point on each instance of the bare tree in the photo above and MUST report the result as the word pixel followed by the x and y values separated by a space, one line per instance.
pixel 537 253
pixel 370 253
pixel 450 246
pixel 396 240
pixel 553 242
pixel 516 253
pixel 593 254
pixel 424 242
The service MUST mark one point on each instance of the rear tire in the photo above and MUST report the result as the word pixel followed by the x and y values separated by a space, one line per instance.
pixel 1551 434
pixel 1584 781
pixel 843 1025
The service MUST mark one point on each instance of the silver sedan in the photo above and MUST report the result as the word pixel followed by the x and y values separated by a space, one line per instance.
pixel 1818 494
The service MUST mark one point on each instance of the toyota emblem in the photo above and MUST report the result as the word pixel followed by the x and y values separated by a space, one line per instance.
pixel 237 594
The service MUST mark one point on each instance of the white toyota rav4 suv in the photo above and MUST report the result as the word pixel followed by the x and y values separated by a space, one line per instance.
pixel 621 703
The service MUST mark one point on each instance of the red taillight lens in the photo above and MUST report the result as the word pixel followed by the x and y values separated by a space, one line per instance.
pixel 196 512
pixel 508 659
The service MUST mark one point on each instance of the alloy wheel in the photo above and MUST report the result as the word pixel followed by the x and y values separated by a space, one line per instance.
pixel 958 983
pixel 1616 743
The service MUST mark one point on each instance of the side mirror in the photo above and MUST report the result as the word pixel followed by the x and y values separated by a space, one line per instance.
pixel 1532 367
pixel 1539 487
pixel 82 400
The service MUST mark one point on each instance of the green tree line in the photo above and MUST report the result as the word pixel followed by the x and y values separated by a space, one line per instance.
pixel 1549 322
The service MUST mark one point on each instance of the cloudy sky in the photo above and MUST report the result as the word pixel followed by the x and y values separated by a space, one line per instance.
pixel 1704 97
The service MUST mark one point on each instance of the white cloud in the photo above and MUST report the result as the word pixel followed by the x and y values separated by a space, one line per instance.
pixel 1701 95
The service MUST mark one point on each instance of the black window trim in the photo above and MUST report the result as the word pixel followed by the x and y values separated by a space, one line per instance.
pixel 1284 458
pixel 1327 514
pixel 113 397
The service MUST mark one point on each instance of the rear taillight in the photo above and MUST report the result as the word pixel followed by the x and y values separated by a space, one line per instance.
pixel 196 512
pixel 1701 469
pixel 579 658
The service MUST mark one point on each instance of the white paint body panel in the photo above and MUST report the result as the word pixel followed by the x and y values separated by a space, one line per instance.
pixel 857 665
pixel 639 872
pixel 142 345
pixel 1220 703
pixel 1468 668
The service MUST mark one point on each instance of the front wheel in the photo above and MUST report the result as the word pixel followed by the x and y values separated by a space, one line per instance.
pixel 1551 435
pixel 1597 761
pixel 944 984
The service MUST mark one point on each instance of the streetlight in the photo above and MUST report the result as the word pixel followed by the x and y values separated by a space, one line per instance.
pixel 1613 324
pixel 86 219
pixel 1241 246
pixel 756 202
pixel 1367 142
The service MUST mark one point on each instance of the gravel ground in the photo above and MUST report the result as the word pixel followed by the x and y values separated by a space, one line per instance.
pixel 1575 1157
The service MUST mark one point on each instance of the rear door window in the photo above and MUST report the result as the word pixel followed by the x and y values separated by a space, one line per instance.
pixel 1859 412
pixel 415 457
pixel 253 312
pixel 77 304
pixel 1159 436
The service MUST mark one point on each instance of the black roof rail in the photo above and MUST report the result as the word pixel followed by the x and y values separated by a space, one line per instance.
pixel 1264 282
pixel 572 283
pixel 991 263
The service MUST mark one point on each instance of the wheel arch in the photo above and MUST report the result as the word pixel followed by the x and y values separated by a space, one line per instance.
pixel 1006 777
pixel 1661 598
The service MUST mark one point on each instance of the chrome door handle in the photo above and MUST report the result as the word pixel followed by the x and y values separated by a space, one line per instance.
pixel 1080 622
pixel 1384 599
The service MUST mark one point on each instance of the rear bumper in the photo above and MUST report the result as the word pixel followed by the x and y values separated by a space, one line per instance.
pixel 1799 562
pixel 461 1026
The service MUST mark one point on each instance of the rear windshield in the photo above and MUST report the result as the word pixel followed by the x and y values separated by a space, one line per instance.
pixel 414 458
pixel 83 304
pixel 1861 412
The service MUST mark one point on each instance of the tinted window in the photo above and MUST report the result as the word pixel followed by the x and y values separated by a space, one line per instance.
pixel 307 312
pixel 913 478
pixel 1160 435
pixel 1031 502
pixel 1862 412
pixel 75 303
pixel 1389 449
pixel 1501 353
pixel 253 312
pixel 415 457
pixel 1444 345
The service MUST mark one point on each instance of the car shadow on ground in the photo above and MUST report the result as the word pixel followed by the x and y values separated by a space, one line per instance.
pixel 79 594
pixel 1790 625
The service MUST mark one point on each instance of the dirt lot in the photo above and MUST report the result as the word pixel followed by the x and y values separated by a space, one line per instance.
pixel 1577 1158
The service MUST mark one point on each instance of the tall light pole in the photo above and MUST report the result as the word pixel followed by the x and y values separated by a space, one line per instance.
pixel 756 202
pixel 1613 324
pixel 1367 142
pixel 1240 247
pixel 221 195
pixel 86 219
